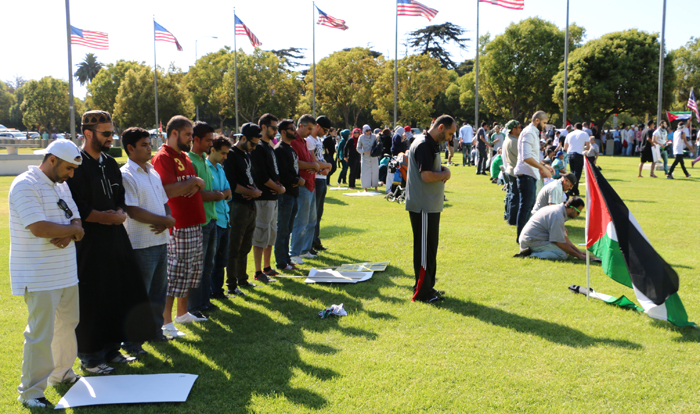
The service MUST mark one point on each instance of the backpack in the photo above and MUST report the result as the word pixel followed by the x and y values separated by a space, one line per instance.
pixel 377 148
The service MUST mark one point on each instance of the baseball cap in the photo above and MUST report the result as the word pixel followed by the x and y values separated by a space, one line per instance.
pixel 65 150
pixel 251 130
pixel 323 122
pixel 559 153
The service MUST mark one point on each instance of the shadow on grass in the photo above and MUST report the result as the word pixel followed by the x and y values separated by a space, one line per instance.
pixel 332 200
pixel 639 201
pixel 687 333
pixel 550 331
pixel 328 232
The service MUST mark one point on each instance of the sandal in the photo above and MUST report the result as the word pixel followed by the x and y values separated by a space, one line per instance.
pixel 101 369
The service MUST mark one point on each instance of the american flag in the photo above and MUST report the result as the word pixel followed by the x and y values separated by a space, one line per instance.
pixel 693 104
pixel 242 29
pixel 508 4
pixel 163 35
pixel 330 21
pixel 95 40
pixel 413 8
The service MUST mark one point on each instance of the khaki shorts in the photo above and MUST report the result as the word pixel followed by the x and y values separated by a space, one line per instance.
pixel 265 232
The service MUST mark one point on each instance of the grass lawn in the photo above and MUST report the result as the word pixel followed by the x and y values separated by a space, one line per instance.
pixel 510 337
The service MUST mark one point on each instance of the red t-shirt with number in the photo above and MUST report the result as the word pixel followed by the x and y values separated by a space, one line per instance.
pixel 174 166
pixel 299 145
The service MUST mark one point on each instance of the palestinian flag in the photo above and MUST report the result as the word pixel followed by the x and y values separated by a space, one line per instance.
pixel 672 116
pixel 614 235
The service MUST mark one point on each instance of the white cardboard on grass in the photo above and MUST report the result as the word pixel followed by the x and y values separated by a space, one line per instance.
pixel 362 194
pixel 333 276
pixel 337 188
pixel 128 389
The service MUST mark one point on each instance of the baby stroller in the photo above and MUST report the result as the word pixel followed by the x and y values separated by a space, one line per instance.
pixel 398 166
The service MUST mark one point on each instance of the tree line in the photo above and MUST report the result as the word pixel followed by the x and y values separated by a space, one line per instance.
pixel 521 70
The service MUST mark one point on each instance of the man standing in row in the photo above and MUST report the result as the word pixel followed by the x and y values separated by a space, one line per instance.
pixel 305 220
pixel 425 192
pixel 44 221
pixel 481 145
pixel 239 172
pixel 466 136
pixel 267 179
pixel 288 164
pixel 183 188
pixel 315 147
pixel 575 145
pixel 113 300
pixel 219 151
pixel 148 222
pixel 510 159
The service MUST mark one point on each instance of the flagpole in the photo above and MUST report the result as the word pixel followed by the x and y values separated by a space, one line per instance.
pixel 566 70
pixel 476 103
pixel 235 66
pixel 155 68
pixel 313 53
pixel 588 256
pixel 396 65
pixel 661 67
pixel 71 101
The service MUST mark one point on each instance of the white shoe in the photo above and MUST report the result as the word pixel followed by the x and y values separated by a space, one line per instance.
pixel 171 330
pixel 308 255
pixel 188 317
pixel 297 260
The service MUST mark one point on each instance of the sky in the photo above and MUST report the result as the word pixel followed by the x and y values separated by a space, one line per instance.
pixel 33 42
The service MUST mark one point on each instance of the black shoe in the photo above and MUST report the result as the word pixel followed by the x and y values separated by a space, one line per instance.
pixel 319 247
pixel 162 338
pixel 262 277
pixel 438 292
pixel 669 176
pixel 247 284
pixel 314 252
pixel 198 314
pixel 524 252
pixel 210 307
pixel 433 299
pixel 220 296
pixel 236 292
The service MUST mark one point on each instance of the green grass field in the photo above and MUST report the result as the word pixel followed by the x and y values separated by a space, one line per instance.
pixel 510 337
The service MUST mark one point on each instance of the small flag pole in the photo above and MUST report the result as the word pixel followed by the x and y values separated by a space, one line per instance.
pixel 235 67
pixel 155 68
pixel 313 53
pixel 588 255
pixel 71 103
pixel 396 65
pixel 566 71
pixel 661 67
pixel 476 103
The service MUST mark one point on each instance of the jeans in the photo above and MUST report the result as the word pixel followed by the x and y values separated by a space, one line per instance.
pixel 664 156
pixel 304 222
pixel 481 164
pixel 466 151
pixel 243 217
pixel 512 200
pixel 343 172
pixel 630 149
pixel 153 264
pixel 618 147
pixel 334 166
pixel 576 168
pixel 678 160
pixel 220 261
pixel 528 194
pixel 549 252
pixel 199 296
pixel 321 190
pixel 286 212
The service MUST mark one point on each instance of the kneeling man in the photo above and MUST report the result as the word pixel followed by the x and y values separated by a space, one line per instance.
pixel 544 235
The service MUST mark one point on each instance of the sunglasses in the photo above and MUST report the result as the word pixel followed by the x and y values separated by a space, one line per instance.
pixel 274 128
pixel 63 206
pixel 105 134
pixel 577 210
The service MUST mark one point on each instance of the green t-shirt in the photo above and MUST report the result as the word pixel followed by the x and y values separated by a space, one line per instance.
pixel 203 172
pixel 496 163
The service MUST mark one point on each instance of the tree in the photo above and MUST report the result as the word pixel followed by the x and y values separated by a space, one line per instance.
pixel 14 84
pixel 7 99
pixel 431 40
pixel 516 70
pixel 135 102
pixel 45 104
pixel 614 74
pixel 205 82
pixel 290 57
pixel 87 69
pixel 447 102
pixel 103 90
pixel 344 83
pixel 421 79
pixel 264 86
pixel 686 61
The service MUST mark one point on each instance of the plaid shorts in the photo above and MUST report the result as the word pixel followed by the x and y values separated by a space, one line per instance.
pixel 185 260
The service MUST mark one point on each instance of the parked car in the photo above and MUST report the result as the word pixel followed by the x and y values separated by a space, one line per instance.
pixel 19 134
pixel 34 135
pixel 6 135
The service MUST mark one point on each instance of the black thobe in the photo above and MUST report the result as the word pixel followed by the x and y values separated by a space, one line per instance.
pixel 114 304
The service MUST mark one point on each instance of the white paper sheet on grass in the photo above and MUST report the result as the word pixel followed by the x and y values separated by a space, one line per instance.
pixel 333 276
pixel 362 194
pixel 128 389
pixel 337 188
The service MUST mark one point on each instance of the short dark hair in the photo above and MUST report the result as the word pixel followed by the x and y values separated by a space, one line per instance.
pixel 483 124
pixel 284 124
pixel 177 123
pixel 46 158
pixel 571 177
pixel 445 120
pixel 201 129
pixel 267 120
pixel 575 202
pixel 133 135
pixel 578 125
pixel 306 119
pixel 650 123
pixel 221 141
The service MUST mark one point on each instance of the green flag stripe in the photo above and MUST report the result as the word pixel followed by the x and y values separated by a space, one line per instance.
pixel 675 311
pixel 613 262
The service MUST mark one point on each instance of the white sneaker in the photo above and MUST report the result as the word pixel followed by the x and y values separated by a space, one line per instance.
pixel 171 330
pixel 188 317
pixel 308 255
pixel 36 402
pixel 297 260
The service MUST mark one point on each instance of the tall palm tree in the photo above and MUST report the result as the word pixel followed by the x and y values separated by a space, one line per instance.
pixel 87 69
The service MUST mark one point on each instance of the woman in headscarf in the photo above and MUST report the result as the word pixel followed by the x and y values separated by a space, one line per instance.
pixel 352 157
pixel 386 141
pixel 369 174
pixel 398 143
pixel 344 135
